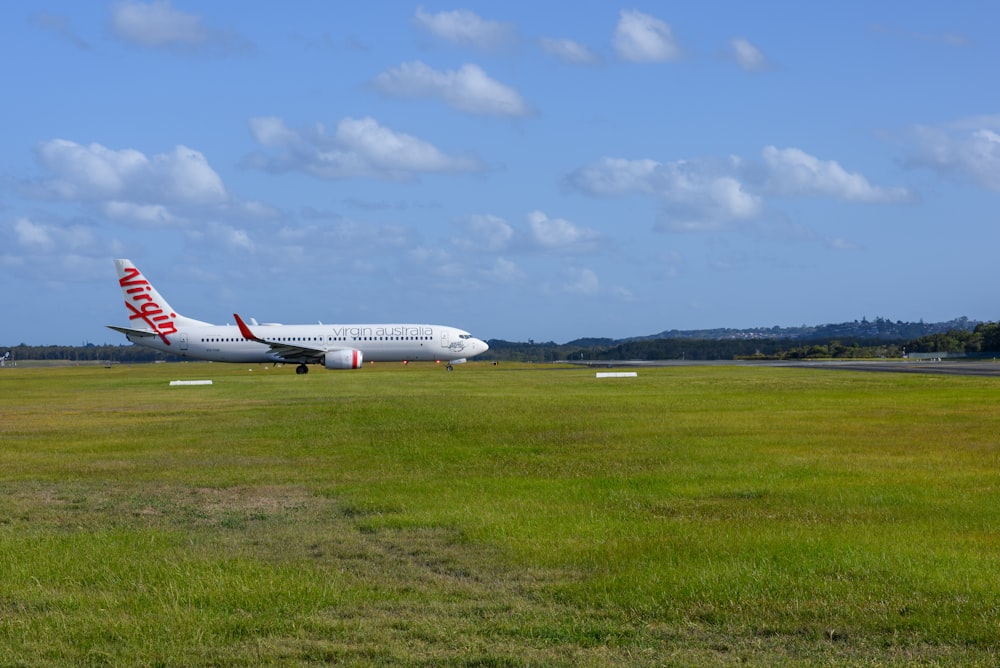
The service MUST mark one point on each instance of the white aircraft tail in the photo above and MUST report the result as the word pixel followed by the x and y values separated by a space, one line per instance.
pixel 147 306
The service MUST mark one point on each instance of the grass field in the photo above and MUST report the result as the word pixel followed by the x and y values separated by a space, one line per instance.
pixel 497 516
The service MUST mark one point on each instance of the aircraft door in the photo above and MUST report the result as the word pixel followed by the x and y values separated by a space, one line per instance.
pixel 444 339
pixel 183 341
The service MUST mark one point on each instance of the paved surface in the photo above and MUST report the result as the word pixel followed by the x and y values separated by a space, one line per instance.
pixel 947 367
pixel 986 367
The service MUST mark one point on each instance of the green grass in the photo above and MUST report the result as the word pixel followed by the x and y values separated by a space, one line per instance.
pixel 510 515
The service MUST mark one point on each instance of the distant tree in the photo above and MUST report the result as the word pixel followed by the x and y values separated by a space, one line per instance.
pixel 952 341
pixel 990 333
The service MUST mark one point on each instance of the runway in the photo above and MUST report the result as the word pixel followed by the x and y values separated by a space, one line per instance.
pixel 969 367
pixel 979 367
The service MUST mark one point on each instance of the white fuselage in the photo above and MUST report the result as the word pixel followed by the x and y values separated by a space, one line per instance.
pixel 378 343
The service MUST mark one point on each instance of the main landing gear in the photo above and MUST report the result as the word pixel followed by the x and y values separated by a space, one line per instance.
pixel 450 368
pixel 301 369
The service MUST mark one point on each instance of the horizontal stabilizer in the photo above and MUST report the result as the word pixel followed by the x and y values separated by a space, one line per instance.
pixel 128 331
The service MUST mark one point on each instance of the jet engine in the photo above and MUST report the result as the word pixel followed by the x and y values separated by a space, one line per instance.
pixel 342 359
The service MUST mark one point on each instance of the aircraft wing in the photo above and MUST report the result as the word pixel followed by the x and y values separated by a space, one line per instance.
pixel 298 352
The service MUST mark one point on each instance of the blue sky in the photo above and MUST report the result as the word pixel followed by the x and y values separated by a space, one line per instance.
pixel 539 170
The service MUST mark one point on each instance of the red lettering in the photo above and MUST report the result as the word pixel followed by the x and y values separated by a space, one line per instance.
pixel 167 328
pixel 144 307
pixel 150 308
pixel 152 315
pixel 130 273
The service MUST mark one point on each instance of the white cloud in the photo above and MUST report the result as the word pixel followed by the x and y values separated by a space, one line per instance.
pixel 979 155
pixel 466 28
pixel 32 235
pixel 557 233
pixel 95 172
pixel 38 237
pixel 187 177
pixel 792 172
pixel 582 282
pixel 696 200
pixel 642 38
pixel 725 196
pixel 357 148
pixel 148 215
pixel 170 189
pixel 748 56
pixel 468 89
pixel 272 132
pixel 228 237
pixel 492 234
pixel 232 238
pixel 156 24
pixel 569 51
pixel 967 150
pixel 384 149
pixel 503 271
pixel 92 171
pixel 485 232
pixel 712 194
pixel 615 176
pixel 697 194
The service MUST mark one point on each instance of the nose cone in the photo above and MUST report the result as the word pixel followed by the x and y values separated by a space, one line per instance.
pixel 481 346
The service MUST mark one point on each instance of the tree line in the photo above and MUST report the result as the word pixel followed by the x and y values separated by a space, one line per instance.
pixel 125 353
pixel 985 338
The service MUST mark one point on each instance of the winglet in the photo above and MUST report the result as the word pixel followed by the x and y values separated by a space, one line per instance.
pixel 244 330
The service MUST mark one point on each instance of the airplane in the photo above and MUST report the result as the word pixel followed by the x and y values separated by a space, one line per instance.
pixel 158 326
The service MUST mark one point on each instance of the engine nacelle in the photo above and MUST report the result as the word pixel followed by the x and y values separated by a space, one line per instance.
pixel 342 359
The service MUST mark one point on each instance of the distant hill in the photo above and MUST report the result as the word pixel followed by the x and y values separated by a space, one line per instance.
pixel 879 329
pixel 862 338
